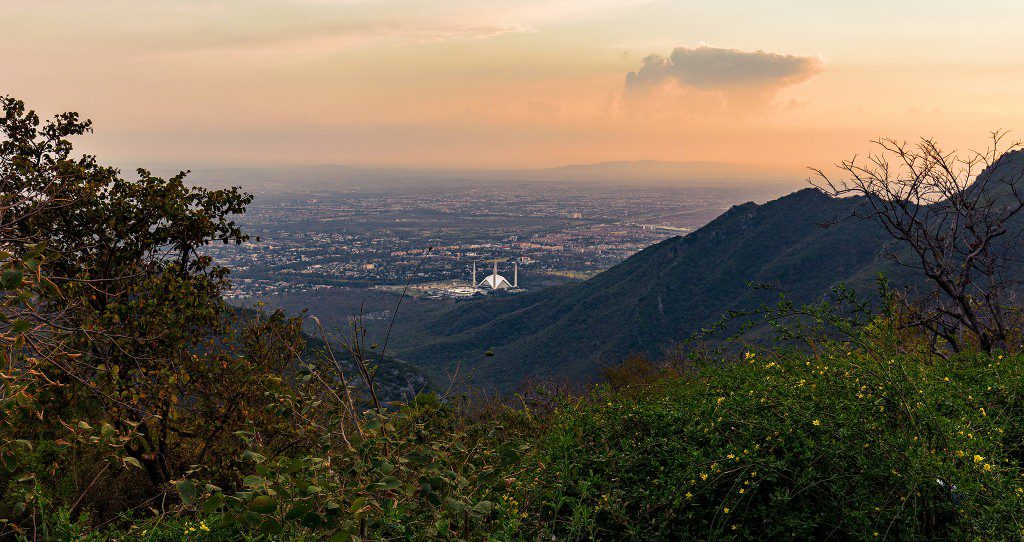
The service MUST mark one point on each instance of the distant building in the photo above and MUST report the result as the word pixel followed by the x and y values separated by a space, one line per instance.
pixel 494 281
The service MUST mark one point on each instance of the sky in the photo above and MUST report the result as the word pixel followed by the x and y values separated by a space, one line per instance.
pixel 515 83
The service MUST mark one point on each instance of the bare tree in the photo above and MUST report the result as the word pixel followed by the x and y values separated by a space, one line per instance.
pixel 952 217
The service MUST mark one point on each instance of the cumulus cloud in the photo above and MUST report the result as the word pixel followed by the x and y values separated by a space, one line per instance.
pixel 707 67
pixel 708 81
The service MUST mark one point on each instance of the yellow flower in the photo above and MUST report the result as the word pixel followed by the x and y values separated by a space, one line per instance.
pixel 959 453
pixel 978 458
pixel 202 526
pixel 816 422
pixel 987 467
pixel 689 495
pixel 725 510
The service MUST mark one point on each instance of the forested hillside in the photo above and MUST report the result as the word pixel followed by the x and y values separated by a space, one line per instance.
pixel 803 244
pixel 664 293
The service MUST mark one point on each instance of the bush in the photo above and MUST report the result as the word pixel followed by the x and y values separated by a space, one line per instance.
pixel 790 447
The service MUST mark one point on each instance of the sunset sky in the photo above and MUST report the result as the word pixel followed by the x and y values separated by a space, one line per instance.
pixel 517 83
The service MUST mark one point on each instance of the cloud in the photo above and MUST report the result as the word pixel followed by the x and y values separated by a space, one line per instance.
pixel 708 68
pixel 710 82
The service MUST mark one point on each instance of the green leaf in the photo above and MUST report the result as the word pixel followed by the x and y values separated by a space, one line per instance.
pixel 253 481
pixel 263 504
pixel 131 461
pixel 456 506
pixel 483 508
pixel 297 511
pixel 10 279
pixel 390 482
pixel 213 503
pixel 357 504
pixel 21 326
pixel 249 454
pixel 187 490
pixel 270 526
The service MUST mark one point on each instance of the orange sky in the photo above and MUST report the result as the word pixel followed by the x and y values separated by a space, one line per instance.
pixel 518 83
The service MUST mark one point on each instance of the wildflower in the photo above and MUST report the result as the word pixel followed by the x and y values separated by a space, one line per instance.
pixel 703 476
pixel 689 495
pixel 978 458
pixel 817 423
pixel 987 467
pixel 959 453
pixel 203 527
pixel 742 491
pixel 725 510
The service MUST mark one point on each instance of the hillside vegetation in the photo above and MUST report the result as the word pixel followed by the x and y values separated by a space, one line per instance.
pixel 136 405
pixel 838 445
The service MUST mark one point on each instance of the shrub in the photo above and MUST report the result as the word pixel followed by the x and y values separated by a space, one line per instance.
pixel 790 447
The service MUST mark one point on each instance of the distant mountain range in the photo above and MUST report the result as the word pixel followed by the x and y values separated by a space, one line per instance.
pixel 662 294
pixel 647 172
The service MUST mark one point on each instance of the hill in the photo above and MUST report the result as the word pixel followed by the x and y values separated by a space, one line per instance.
pixel 641 172
pixel 663 293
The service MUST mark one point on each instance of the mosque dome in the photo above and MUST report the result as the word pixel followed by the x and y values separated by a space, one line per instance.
pixel 495 282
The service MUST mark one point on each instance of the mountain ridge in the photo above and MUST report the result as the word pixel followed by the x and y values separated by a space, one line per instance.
pixel 664 292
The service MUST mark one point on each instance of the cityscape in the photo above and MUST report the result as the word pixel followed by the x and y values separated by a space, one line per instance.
pixel 384 238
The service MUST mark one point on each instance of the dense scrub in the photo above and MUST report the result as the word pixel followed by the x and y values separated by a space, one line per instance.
pixel 834 446
pixel 839 446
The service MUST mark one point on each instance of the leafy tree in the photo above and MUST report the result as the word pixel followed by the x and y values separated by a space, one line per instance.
pixel 117 345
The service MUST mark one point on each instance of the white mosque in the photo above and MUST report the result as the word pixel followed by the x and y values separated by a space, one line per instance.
pixel 494 281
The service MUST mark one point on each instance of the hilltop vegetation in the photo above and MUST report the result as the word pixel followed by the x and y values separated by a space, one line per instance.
pixel 135 405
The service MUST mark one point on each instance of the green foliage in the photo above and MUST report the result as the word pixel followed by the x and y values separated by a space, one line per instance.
pixel 791 447
pixel 418 473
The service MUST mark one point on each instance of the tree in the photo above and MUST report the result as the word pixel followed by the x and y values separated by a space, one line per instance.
pixel 116 345
pixel 956 218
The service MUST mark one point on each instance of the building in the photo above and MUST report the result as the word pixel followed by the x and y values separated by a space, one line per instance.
pixel 494 281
